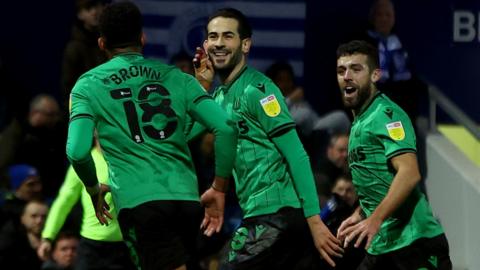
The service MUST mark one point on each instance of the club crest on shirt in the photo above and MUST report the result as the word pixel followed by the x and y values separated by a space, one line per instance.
pixel 396 131
pixel 270 106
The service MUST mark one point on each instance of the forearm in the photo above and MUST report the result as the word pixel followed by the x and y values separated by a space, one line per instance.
pixel 216 120
pixel 196 130
pixel 220 184
pixel 79 143
pixel 299 165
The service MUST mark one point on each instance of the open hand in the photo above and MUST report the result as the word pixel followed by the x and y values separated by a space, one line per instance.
pixel 98 199
pixel 326 244
pixel 214 202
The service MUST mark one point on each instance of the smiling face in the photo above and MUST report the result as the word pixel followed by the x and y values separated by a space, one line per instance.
pixel 356 80
pixel 224 46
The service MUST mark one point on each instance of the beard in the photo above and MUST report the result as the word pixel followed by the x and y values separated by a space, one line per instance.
pixel 230 63
pixel 355 103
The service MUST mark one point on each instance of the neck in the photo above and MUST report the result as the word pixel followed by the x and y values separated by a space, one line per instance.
pixel 89 27
pixel 227 75
pixel 34 240
pixel 131 49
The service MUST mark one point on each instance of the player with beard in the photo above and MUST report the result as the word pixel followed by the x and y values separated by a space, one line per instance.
pixel 394 218
pixel 273 178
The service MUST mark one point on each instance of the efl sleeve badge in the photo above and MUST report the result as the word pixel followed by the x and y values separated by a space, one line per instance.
pixel 270 106
pixel 396 131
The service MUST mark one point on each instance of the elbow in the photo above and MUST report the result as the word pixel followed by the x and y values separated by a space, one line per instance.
pixel 75 154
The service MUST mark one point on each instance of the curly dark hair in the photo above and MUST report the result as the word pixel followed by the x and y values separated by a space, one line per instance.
pixel 121 25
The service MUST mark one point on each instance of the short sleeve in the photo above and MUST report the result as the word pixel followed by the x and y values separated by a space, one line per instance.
pixel 265 102
pixel 80 105
pixel 396 132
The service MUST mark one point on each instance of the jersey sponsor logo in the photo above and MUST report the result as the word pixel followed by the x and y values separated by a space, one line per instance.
pixel 396 131
pixel 270 106
pixel 149 88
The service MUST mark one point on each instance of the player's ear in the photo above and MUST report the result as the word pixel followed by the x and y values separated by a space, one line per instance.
pixel 101 43
pixel 376 74
pixel 143 39
pixel 246 43
pixel 205 45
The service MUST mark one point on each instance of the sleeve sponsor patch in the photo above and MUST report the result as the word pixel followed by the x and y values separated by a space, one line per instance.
pixel 270 106
pixel 396 131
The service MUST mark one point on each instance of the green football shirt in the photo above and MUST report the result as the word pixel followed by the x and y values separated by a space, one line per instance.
pixel 139 107
pixel 263 181
pixel 381 131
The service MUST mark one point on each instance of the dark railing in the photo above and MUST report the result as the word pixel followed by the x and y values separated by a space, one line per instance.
pixel 437 97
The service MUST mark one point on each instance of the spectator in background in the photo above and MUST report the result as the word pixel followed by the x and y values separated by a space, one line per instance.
pixel 313 128
pixel 397 79
pixel 18 244
pixel 335 163
pixel 344 188
pixel 38 140
pixel 82 52
pixel 281 73
pixel 342 203
pixel 101 247
pixel 183 61
pixel 64 253
pixel 25 186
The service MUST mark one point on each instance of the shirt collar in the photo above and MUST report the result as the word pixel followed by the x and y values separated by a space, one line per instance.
pixel 226 87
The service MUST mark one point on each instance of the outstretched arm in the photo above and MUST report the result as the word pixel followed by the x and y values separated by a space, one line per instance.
pixel 290 146
pixel 212 116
